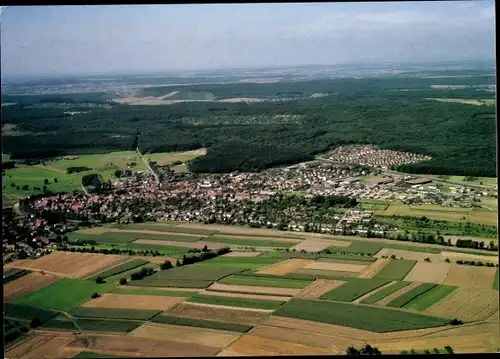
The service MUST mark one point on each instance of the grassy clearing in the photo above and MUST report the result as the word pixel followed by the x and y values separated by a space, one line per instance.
pixel 412 294
pixel 25 313
pixel 381 294
pixel 265 281
pixel 236 302
pixel 134 263
pixel 200 323
pixel 251 242
pixel 396 269
pixel 357 316
pixel 430 297
pixel 353 289
pixel 145 291
pixel 164 227
pixel 109 313
pixel 65 294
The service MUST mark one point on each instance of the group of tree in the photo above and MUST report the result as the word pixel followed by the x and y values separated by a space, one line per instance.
pixel 366 350
pixel 203 256
pixel 476 263
pixel 130 252
pixel 77 169
pixel 447 349
pixel 144 272
pixel 469 243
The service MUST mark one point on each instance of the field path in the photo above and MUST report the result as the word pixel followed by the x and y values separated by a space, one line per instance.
pixel 373 292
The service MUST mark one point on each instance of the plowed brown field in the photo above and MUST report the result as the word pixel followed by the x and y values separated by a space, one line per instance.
pixel 254 289
pixel 319 287
pixel 467 304
pixel 27 284
pixel 429 272
pixel 374 268
pixel 133 301
pixel 70 264
pixel 192 335
pixel 259 346
pixel 241 316
pixel 285 267
pixel 469 276
pixel 37 345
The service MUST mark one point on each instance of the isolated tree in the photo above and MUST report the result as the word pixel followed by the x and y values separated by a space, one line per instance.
pixel 99 280
pixel 427 259
pixel 123 281
pixel 56 180
pixel 205 249
pixel 166 265
pixel 25 187
pixel 447 260
pixel 449 349
pixel 393 256
pixel 436 351
pixel 427 351
pixel 95 295
pixel 46 181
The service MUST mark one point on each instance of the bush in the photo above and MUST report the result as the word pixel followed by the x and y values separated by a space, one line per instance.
pixel 123 281
pixel 166 265
pixel 95 295
pixel 35 322
pixel 99 280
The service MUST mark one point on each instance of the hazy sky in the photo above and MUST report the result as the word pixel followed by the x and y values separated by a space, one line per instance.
pixel 66 39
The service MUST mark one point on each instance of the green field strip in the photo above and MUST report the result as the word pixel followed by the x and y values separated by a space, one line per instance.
pixel 364 247
pixel 200 323
pixel 240 263
pixel 174 283
pixel 236 302
pixel 495 280
pixel 250 242
pixel 124 267
pixel 158 226
pixel 300 255
pixel 363 317
pixel 111 313
pixel 408 296
pixel 265 282
pixel 430 297
pixel 158 292
pixel 413 248
pixel 195 272
pixel 381 294
pixel 104 325
pixel 342 261
pixel 60 322
pixel 396 269
pixel 25 313
pixel 115 278
pixel 247 292
pixel 65 294
pixel 354 289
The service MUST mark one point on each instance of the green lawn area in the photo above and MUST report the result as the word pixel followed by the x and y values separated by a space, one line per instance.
pixel 250 242
pixel 353 289
pixel 430 297
pixel 412 294
pixel 236 302
pixel 381 294
pixel 265 281
pixel 375 319
pixel 200 323
pixel 65 294
pixel 396 269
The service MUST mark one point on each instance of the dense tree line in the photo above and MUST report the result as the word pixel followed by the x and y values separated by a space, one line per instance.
pixel 460 138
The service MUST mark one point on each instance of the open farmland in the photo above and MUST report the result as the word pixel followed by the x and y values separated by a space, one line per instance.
pixel 13 274
pixel 357 316
pixel 454 256
pixel 430 297
pixel 364 247
pixel 41 345
pixel 209 337
pixel 407 297
pixel 262 281
pixel 374 268
pixel 354 289
pixel 340 267
pixel 467 304
pixel 162 236
pixel 375 297
pixel 159 243
pixel 396 269
pixel 319 287
pixel 324 274
pixel 250 242
pixel 164 227
pixel 69 264
pixel 470 276
pixel 114 313
pixel 221 314
pixel 120 268
pixel 25 313
pixel 254 289
pixel 167 292
pixel 397 293
pixel 285 267
pixel 65 294
pixel 317 244
pixel 244 295
pixel 134 301
pixel 200 323
pixel 429 272
pixel 236 302
pixel 27 284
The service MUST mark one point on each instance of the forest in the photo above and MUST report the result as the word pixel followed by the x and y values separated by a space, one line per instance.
pixel 255 136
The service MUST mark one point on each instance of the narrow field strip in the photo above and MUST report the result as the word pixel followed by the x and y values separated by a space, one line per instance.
pixel 244 295
pixel 396 269
pixel 430 297
pixel 200 323
pixel 285 267
pixel 167 292
pixel 254 289
pixel 112 313
pixel 410 295
pixel 265 282
pixel 133 301
pixel 319 287
pixel 354 289
pixel 384 292
pixel 373 292
pixel 340 267
pixel 236 302
pixel 374 268
pixel 398 293
pixel 120 268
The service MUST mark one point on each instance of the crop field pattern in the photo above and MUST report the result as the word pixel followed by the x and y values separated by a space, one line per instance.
pixel 354 289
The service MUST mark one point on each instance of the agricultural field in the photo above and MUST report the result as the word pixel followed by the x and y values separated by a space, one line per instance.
pixel 259 281
pixel 354 289
pixel 27 284
pixel 200 323
pixel 120 268
pixel 407 297
pixel 113 313
pixel 430 297
pixel 236 302
pixel 396 269
pixel 383 293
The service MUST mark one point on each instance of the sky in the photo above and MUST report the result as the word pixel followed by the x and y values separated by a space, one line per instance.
pixel 41 40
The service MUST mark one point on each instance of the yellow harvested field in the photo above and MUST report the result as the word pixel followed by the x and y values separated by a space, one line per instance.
pixel 128 345
pixel 254 289
pixel 70 264
pixel 319 287
pixel 134 301
pixel 429 272
pixel 374 268
pixel 147 231
pixel 242 316
pixel 317 244
pixel 467 304
pixel 183 334
pixel 256 238
pixel 246 296
pixel 341 267
pixel 254 345
pixel 242 254
pixel 405 254
pixel 454 256
pixel 199 244
pixel 470 276
pixel 27 284
pixel 38 345
pixel 328 273
pixel 398 293
pixel 285 267
pixel 481 337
